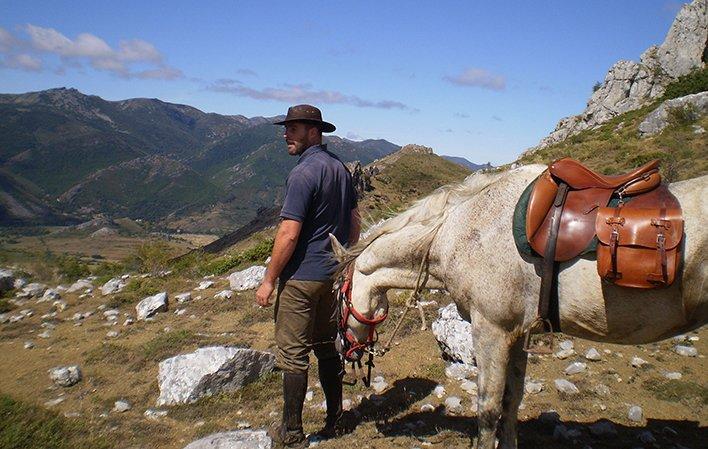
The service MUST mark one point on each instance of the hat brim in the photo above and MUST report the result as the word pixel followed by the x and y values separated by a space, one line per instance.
pixel 326 127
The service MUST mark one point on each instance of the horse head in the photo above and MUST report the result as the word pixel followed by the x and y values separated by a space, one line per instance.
pixel 361 305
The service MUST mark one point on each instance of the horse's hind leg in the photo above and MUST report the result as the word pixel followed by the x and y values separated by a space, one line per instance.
pixel 492 354
pixel 516 371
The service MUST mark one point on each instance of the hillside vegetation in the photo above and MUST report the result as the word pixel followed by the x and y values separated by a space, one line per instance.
pixel 616 146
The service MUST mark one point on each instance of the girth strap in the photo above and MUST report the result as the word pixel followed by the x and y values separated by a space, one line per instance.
pixel 544 297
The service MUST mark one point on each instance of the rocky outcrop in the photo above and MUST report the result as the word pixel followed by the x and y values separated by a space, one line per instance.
pixel 658 119
pixel 629 85
pixel 207 371
pixel 237 439
pixel 454 335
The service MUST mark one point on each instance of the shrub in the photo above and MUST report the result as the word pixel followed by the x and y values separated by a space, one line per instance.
pixel 71 268
pixel 596 87
pixel 694 82
pixel 151 257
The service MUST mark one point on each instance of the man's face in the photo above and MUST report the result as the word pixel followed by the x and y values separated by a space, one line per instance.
pixel 299 137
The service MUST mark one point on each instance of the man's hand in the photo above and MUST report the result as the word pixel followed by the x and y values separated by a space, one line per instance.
pixel 263 294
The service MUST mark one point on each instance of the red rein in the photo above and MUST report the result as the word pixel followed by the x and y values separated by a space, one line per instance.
pixel 348 309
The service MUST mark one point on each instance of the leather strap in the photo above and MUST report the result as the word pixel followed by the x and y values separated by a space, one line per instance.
pixel 661 276
pixel 615 221
pixel 548 267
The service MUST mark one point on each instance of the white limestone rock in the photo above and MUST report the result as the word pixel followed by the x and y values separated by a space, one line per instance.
pixel 65 376
pixel 121 406
pixel 151 305
pixel 247 279
pixel 115 285
pixel 235 439
pixel 205 285
pixel 575 368
pixel 686 351
pixel 453 404
pixel 454 335
pixel 566 387
pixel 658 119
pixel 33 290
pixel 81 284
pixel 184 297
pixel 224 294
pixel 593 355
pixel 188 377
pixel 532 387
pixel 635 413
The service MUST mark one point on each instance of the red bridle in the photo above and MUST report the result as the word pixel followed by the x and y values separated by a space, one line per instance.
pixel 344 297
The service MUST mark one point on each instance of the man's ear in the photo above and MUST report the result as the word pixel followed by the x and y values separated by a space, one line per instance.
pixel 337 248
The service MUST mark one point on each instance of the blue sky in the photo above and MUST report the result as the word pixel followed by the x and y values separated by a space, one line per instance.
pixel 481 80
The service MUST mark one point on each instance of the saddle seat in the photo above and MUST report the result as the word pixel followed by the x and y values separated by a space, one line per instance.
pixel 578 176
pixel 587 193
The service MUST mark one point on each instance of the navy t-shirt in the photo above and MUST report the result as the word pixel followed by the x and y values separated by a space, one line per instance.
pixel 319 194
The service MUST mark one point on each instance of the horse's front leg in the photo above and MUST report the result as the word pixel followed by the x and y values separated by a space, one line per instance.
pixel 514 393
pixel 491 345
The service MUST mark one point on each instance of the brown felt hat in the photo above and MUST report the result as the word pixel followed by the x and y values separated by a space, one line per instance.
pixel 309 114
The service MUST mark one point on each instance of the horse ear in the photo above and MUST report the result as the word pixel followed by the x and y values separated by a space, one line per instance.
pixel 337 248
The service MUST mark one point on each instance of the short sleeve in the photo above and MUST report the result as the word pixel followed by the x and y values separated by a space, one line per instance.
pixel 298 196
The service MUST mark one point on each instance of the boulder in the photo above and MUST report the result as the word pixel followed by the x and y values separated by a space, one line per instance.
pixel 113 286
pixel 183 297
pixel 151 305
pixel 65 376
pixel 50 295
pixel 224 294
pixel 658 119
pixel 7 280
pixel 33 290
pixel 454 335
pixel 236 439
pixel 188 377
pixel 247 279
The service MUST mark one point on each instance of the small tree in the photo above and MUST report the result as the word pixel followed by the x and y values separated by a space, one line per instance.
pixel 596 86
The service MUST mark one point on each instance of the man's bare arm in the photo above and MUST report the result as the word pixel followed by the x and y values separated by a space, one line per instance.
pixel 355 228
pixel 283 248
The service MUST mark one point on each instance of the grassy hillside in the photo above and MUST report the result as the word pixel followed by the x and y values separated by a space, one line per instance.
pixel 616 146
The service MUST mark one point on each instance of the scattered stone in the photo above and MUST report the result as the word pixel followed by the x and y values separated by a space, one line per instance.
pixel 184 297
pixel 4 318
pixel 46 334
pixel 635 413
pixel 566 387
pixel 33 290
pixel 309 395
pixel 180 312
pixel 686 351
pixel 81 284
pixel 121 406
pixel 50 295
pixel 564 353
pixel 65 376
pixel 533 387
pixel 461 371
pixel 128 321
pixel 638 362
pixel 247 279
pixel 7 280
pixel 673 375
pixel 439 391
pixel 60 305
pixel 224 294
pixel 566 345
pixel 603 429
pixel 235 439
pixel 379 384
pixel 188 377
pixel 29 345
pixel 155 413
pixel 151 305
pixel 593 355
pixel 205 285
pixel 27 313
pixel 453 404
pixel 111 313
pixel 112 334
pixel 427 408
pixel 454 335
pixel 243 425
pixel 346 404
pixel 575 368
pixel 115 285
pixel 469 387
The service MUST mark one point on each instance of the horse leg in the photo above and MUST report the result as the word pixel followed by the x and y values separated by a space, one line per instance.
pixel 516 371
pixel 492 355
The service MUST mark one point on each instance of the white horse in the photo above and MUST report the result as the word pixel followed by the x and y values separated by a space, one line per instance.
pixel 467 230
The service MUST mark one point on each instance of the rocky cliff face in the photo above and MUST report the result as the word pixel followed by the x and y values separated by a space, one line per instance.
pixel 629 85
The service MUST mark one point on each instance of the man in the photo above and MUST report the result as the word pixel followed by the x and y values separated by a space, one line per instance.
pixel 319 200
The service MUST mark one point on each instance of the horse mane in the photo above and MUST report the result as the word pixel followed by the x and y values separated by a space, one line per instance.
pixel 429 212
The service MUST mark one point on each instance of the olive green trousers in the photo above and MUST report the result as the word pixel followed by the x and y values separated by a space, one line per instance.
pixel 305 320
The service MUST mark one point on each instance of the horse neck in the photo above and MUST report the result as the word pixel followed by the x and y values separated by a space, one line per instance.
pixel 394 261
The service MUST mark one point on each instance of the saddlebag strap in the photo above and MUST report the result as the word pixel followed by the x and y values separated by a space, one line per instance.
pixel 615 222
pixel 547 275
pixel 661 275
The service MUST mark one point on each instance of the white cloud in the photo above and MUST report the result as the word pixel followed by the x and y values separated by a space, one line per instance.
pixel 23 62
pixel 302 93
pixel 478 78
pixel 86 48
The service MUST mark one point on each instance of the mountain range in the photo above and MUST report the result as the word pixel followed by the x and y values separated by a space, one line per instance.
pixel 66 157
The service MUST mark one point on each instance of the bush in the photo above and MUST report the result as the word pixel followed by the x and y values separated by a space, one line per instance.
pixel 596 87
pixel 151 257
pixel 71 268
pixel 694 82
pixel 682 116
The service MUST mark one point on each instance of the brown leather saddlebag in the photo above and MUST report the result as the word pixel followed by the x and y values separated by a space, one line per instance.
pixel 639 247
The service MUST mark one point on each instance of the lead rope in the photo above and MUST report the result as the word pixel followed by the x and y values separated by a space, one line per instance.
pixel 413 302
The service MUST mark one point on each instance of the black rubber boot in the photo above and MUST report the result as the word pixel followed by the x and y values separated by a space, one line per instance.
pixel 331 372
pixel 289 433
